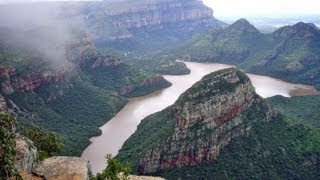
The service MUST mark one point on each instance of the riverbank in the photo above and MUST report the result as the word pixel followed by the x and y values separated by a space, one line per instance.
pixel 123 125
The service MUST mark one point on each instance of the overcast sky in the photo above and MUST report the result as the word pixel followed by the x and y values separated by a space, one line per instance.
pixel 242 8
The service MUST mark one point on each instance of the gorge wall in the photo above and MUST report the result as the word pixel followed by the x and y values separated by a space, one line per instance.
pixel 58 94
pixel 118 20
pixel 217 109
pixel 159 13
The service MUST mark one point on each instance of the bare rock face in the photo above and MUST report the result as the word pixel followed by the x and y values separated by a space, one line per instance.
pixel 159 12
pixel 3 104
pixel 54 168
pixel 26 154
pixel 62 168
pixel 80 52
pixel 222 106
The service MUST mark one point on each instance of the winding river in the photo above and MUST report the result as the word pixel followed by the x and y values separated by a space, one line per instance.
pixel 122 126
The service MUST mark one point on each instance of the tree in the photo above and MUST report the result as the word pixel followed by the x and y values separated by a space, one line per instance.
pixel 47 143
pixel 7 147
pixel 114 170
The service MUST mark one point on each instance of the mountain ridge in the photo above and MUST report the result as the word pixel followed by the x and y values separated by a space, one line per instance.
pixel 282 54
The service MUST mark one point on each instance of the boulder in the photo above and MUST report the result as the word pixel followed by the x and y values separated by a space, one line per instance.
pixel 63 168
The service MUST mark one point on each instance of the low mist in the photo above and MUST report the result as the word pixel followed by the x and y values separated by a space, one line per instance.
pixel 42 28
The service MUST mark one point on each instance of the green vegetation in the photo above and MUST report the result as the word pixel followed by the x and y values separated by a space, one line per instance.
pixel 221 86
pixel 47 143
pixel 232 45
pixel 153 130
pixel 7 147
pixel 114 170
pixel 304 109
pixel 274 150
pixel 117 77
pixel 150 47
pixel 23 62
pixel 75 115
pixel 290 53
pixel 77 102
pixel 279 149
pixel 75 108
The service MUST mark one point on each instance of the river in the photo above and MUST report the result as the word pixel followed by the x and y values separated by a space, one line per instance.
pixel 122 126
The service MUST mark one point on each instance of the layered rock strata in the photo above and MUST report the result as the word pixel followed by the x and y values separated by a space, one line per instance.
pixel 217 109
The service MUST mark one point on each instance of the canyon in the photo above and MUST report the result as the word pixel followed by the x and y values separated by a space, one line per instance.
pixel 124 123
pixel 77 66
pixel 209 121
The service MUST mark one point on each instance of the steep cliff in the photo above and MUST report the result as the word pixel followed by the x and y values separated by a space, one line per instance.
pixel 221 129
pixel 197 127
pixel 129 28
pixel 137 14
pixel 135 29
pixel 73 95
pixel 124 16
pixel 207 117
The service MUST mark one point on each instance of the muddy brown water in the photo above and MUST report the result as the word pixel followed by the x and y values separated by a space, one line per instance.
pixel 116 131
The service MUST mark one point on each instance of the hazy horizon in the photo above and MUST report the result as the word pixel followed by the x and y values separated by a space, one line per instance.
pixel 270 8
pixel 244 8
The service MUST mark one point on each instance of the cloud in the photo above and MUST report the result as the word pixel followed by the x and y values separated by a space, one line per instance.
pixel 40 28
pixel 242 8
pixel 30 1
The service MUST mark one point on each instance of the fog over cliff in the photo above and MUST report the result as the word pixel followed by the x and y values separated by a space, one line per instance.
pixel 37 27
pixel 31 1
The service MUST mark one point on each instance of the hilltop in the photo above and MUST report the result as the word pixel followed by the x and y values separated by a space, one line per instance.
pixel 221 128
pixel 290 53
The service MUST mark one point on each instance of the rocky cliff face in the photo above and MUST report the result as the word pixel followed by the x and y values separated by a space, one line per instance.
pixel 30 168
pixel 220 107
pixel 30 83
pixel 3 104
pixel 54 168
pixel 130 20
pixel 160 13
pixel 26 154
pixel 13 82
pixel 26 79
pixel 207 116
pixel 81 54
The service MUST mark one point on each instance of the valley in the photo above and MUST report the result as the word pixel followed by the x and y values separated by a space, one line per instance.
pixel 209 130
pixel 177 93
pixel 124 124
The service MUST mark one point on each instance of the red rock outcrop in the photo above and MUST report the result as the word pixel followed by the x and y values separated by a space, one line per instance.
pixel 80 53
pixel 207 117
pixel 13 82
